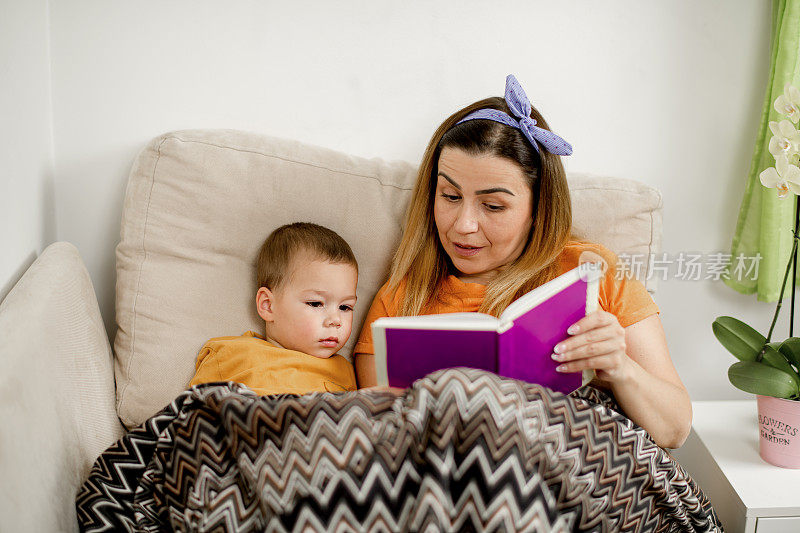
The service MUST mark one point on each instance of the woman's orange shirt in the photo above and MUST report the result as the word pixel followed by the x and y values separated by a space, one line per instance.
pixel 624 297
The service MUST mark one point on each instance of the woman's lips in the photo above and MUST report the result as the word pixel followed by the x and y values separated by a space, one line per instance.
pixel 465 250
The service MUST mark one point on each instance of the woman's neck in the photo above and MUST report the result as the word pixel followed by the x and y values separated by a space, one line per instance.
pixel 481 279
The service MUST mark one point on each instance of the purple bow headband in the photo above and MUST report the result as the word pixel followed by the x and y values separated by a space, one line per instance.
pixel 520 106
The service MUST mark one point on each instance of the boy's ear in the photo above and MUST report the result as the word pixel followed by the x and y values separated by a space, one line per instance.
pixel 264 300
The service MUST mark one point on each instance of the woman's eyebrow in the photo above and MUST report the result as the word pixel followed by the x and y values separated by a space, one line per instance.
pixel 495 189
pixel 482 191
pixel 453 183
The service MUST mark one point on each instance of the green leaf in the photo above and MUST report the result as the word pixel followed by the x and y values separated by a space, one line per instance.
pixel 738 338
pixel 791 349
pixel 758 378
pixel 775 359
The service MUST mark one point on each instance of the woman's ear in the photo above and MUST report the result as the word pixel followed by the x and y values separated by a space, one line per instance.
pixel 264 301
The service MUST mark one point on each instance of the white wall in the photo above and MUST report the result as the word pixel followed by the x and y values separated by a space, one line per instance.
pixel 665 92
pixel 27 215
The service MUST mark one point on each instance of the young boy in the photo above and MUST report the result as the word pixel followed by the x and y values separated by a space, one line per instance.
pixel 307 277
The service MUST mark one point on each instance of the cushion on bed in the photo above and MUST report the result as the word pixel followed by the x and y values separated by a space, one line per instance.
pixel 199 204
pixel 57 384
pixel 622 214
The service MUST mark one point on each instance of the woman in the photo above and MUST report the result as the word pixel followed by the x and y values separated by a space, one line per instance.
pixel 490 219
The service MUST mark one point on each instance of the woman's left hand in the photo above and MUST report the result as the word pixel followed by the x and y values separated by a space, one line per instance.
pixel 598 343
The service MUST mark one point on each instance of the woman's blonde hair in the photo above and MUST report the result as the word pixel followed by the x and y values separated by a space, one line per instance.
pixel 420 259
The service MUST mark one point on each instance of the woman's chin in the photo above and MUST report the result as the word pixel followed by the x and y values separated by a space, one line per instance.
pixel 467 268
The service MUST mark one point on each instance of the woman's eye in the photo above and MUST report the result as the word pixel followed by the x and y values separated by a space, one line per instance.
pixel 451 197
pixel 345 308
pixel 492 207
pixel 314 304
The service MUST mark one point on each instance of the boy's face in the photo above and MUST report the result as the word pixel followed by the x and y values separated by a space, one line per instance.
pixel 312 310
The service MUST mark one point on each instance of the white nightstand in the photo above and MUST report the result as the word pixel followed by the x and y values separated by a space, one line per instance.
pixel 721 454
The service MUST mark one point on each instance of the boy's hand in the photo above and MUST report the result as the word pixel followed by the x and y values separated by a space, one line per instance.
pixel 397 391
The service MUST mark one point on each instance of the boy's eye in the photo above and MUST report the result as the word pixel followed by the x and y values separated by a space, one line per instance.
pixel 314 304
pixel 451 197
pixel 345 308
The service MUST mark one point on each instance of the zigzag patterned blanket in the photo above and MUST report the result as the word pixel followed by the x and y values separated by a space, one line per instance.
pixel 461 450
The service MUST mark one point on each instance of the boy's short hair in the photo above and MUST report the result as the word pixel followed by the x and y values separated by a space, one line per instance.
pixel 283 244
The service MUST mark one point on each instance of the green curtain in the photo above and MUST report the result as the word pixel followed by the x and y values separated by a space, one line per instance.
pixel 765 221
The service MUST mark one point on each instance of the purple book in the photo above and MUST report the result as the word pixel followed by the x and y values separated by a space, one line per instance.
pixel 518 344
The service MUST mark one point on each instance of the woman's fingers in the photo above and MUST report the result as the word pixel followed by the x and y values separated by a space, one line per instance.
pixel 607 362
pixel 594 342
pixel 590 349
pixel 598 344
pixel 592 321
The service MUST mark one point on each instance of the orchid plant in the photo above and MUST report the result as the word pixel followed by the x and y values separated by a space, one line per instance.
pixel 765 367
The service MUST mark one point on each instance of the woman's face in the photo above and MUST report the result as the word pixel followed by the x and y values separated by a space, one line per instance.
pixel 483 211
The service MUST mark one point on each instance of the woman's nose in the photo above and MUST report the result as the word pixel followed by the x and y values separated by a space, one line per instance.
pixel 466 222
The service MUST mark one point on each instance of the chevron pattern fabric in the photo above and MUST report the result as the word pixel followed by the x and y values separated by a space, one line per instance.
pixel 461 450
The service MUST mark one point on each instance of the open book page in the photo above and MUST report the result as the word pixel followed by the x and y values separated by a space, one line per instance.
pixel 592 305
pixel 468 321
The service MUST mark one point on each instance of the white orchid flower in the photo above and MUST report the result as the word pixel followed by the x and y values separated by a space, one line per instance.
pixel 789 103
pixel 782 176
pixel 786 140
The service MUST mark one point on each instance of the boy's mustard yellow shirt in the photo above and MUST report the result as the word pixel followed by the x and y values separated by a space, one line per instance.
pixel 268 369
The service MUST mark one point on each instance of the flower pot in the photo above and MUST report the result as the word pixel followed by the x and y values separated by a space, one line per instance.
pixel 779 431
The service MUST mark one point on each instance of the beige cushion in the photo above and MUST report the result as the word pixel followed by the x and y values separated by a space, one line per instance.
pixel 198 206
pixel 624 215
pixel 200 203
pixel 56 392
